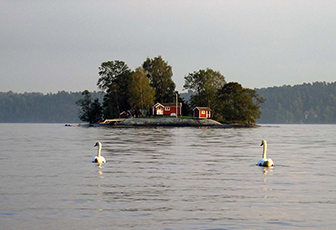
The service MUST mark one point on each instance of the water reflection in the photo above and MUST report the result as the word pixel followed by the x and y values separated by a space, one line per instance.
pixel 266 170
pixel 168 178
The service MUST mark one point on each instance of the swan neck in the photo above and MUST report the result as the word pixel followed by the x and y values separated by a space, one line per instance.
pixel 264 150
pixel 99 150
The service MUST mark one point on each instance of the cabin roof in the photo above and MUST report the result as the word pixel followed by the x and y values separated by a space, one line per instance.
pixel 162 105
pixel 171 104
pixel 203 108
pixel 158 105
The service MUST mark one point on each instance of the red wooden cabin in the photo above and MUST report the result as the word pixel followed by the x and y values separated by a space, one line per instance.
pixel 167 109
pixel 202 112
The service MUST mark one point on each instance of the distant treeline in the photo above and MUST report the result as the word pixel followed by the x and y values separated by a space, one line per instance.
pixel 40 108
pixel 307 103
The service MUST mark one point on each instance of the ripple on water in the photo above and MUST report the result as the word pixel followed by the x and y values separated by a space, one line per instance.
pixel 170 178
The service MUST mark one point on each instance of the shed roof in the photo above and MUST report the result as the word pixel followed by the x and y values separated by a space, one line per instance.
pixel 202 108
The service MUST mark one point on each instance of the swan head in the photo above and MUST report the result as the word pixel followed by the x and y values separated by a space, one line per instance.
pixel 97 144
pixel 263 143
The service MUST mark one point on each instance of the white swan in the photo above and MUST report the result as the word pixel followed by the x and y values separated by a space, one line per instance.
pixel 266 162
pixel 98 159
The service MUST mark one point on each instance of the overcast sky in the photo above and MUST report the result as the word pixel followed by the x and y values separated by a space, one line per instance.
pixel 49 46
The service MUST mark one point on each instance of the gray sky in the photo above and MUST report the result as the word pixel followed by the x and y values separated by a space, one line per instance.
pixel 48 46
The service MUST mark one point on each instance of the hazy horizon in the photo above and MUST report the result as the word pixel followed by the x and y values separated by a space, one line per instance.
pixel 51 46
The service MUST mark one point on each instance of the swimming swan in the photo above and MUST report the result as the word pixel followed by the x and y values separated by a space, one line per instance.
pixel 98 159
pixel 266 162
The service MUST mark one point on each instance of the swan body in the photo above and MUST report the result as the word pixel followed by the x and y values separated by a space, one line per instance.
pixel 265 162
pixel 99 158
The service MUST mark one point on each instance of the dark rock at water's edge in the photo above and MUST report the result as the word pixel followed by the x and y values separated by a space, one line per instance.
pixel 168 122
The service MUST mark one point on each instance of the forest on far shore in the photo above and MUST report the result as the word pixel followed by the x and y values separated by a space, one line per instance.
pixel 309 103
pixel 41 108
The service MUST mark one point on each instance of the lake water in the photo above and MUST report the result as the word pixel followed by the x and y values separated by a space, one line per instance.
pixel 167 178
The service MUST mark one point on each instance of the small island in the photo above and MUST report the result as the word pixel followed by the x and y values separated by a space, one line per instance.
pixel 147 97
pixel 169 121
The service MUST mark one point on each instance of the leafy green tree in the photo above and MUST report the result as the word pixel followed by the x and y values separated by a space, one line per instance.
pixel 141 94
pixel 237 104
pixel 91 110
pixel 204 84
pixel 114 80
pixel 160 78
pixel 186 109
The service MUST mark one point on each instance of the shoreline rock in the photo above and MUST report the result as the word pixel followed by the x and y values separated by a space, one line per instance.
pixel 167 122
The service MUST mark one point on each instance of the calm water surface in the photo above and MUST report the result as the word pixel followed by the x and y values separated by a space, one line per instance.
pixel 167 178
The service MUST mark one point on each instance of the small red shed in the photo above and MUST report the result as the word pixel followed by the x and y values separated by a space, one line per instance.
pixel 202 112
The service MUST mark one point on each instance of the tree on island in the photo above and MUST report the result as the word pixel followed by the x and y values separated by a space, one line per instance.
pixel 229 102
pixel 121 85
pixel 136 90
pixel 141 95
pixel 160 78
pixel 114 80
pixel 91 110
pixel 237 104
pixel 204 84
